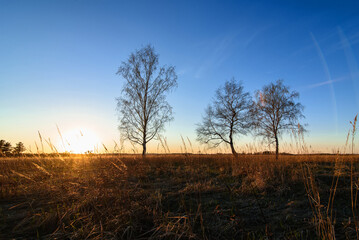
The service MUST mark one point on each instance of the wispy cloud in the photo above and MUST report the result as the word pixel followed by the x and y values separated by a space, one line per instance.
pixel 221 50
pixel 327 82
pixel 345 41
pixel 182 72
pixel 351 60
pixel 254 35
pixel 329 77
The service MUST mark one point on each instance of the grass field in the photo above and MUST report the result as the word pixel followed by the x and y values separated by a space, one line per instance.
pixel 179 197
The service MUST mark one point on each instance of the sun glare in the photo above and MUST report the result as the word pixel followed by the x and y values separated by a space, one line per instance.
pixel 79 140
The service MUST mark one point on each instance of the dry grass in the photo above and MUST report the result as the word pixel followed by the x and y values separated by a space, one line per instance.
pixel 178 197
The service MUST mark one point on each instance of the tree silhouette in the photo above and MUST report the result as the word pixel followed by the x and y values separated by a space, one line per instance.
pixel 5 147
pixel 143 108
pixel 19 148
pixel 226 117
pixel 275 111
pixel 2 142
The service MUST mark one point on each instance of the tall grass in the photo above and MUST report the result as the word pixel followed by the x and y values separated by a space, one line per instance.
pixel 166 196
pixel 323 211
pixel 179 196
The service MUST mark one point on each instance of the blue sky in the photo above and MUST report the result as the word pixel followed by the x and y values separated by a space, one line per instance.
pixel 59 58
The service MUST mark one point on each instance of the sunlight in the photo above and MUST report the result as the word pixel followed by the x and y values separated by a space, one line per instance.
pixel 79 140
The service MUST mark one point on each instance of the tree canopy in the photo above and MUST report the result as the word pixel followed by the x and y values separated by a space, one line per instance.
pixel 275 111
pixel 142 107
pixel 226 117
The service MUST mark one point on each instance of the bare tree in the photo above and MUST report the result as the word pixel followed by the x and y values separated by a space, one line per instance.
pixel 226 117
pixel 143 108
pixel 275 111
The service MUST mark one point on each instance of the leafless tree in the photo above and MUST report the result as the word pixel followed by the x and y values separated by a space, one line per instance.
pixel 143 109
pixel 275 111
pixel 226 117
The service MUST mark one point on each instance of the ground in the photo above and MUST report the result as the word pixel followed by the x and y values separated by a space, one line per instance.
pixel 179 196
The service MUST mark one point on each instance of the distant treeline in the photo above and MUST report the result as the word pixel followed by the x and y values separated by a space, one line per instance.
pixel 6 149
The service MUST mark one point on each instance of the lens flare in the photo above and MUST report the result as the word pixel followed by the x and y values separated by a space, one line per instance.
pixel 79 140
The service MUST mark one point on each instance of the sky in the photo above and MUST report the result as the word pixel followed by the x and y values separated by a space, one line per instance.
pixel 58 64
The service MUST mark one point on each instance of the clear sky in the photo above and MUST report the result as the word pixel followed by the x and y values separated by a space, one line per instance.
pixel 58 62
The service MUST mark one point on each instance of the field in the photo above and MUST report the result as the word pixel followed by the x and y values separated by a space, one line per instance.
pixel 179 197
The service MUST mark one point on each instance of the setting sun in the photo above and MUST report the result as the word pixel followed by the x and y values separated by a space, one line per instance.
pixel 179 119
pixel 79 140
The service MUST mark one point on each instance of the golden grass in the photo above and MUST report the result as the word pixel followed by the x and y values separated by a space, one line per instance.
pixel 178 196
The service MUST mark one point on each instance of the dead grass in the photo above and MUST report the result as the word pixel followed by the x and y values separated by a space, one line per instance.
pixel 176 196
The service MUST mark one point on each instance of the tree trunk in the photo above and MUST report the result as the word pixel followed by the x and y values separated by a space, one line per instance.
pixel 143 149
pixel 233 150
pixel 276 147
pixel 231 140
pixel 144 140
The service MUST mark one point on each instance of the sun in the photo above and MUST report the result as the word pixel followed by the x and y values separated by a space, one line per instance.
pixel 79 140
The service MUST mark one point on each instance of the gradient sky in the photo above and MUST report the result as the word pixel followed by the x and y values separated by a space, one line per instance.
pixel 58 62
